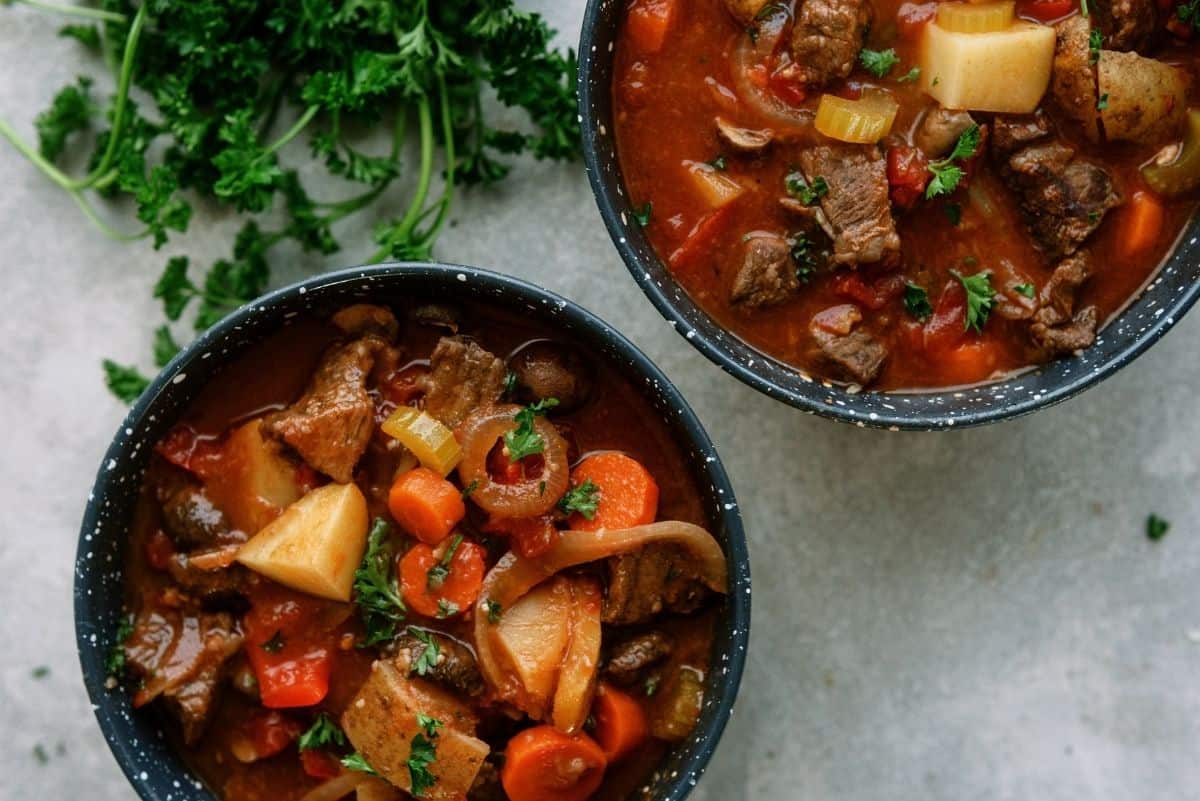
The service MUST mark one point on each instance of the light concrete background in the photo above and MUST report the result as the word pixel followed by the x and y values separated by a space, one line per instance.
pixel 973 615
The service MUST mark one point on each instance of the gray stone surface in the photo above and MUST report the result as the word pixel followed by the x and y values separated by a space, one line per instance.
pixel 972 615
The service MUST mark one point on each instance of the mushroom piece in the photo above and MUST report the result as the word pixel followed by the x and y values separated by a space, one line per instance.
pixel 748 141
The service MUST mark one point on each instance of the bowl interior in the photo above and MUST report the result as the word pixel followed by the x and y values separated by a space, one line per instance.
pixel 1166 298
pixel 138 740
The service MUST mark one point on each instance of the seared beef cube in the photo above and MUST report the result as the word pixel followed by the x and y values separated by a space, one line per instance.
pixel 1057 329
pixel 827 37
pixel 767 276
pixel 365 318
pixel 747 141
pixel 856 211
pixel 463 377
pixel 939 131
pixel 628 660
pixel 1064 198
pixel 649 581
pixel 330 425
pixel 216 590
pixel 856 357
pixel 1011 132
pixel 1060 340
pixel 1126 24
pixel 192 521
pixel 455 666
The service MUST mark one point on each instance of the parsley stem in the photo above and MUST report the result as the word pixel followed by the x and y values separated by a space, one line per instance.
pixel 416 208
pixel 105 228
pixel 448 136
pixel 31 153
pixel 75 11
pixel 295 130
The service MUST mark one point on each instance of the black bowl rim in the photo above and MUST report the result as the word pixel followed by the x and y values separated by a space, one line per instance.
pixel 837 405
pixel 715 717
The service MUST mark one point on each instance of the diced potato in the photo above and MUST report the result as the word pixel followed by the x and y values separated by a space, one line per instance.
pixel 315 545
pixel 255 482
pixel 532 637
pixel 1143 99
pixel 1007 71
pixel 381 723
pixel 577 679
pixel 714 187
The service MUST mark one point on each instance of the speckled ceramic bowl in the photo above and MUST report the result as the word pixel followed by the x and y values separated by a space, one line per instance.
pixel 1164 301
pixel 137 739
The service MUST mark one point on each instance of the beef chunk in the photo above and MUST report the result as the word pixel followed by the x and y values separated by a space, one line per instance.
pixel 856 357
pixel 939 131
pixel 649 581
pixel 767 276
pixel 827 37
pixel 365 318
pixel 330 425
pixel 181 657
pixel 192 521
pixel 1126 24
pixel 1064 198
pixel 1059 340
pixel 463 377
pixel 552 370
pixel 216 590
pixel 1057 328
pixel 856 211
pixel 455 666
pixel 748 141
pixel 629 659
pixel 1012 132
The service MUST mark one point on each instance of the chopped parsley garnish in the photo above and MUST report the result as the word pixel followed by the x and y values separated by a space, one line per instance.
pixel 947 174
pixel 275 644
pixel 356 762
pixel 798 187
pixel 1028 290
pixel 323 733
pixel 114 662
pixel 1189 12
pixel 643 213
pixel 650 687
pixel 981 298
pixel 805 256
pixel 916 301
pixel 40 672
pixel 428 725
pixel 470 488
pixel 437 575
pixel 910 76
pixel 878 62
pixel 953 213
pixel 510 384
pixel 1156 527
pixel 718 163
pixel 1095 44
pixel 427 660
pixel 1102 103
pixel 494 611
pixel 446 608
pixel 523 440
pixel 582 498
pixel 375 589
pixel 420 756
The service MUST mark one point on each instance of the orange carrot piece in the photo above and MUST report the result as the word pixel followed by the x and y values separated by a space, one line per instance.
pixel 621 725
pixel 699 239
pixel 647 23
pixel 628 493
pixel 969 363
pixel 543 764
pixel 1142 224
pixel 436 587
pixel 426 505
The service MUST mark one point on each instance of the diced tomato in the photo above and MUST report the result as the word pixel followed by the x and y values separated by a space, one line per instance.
pixel 529 537
pixel 319 765
pixel 911 18
pixel 700 238
pixel 159 550
pixel 505 471
pixel 648 21
pixel 850 285
pixel 1046 10
pixel 787 89
pixel 184 448
pixel 271 732
pixel 405 385
pixel 908 175
pixel 291 654
pixel 947 328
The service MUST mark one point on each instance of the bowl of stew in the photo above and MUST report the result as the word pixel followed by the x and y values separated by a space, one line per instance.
pixel 412 530
pixel 906 215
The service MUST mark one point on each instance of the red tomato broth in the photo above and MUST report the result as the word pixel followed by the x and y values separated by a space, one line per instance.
pixel 674 89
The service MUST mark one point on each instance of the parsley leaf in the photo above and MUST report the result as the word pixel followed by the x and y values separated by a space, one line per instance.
pixel 323 733
pixel 427 660
pixel 878 62
pixel 582 498
pixel 523 440
pixel 429 725
pixel 981 298
pixel 356 762
pixel 436 576
pixel 798 187
pixel 494 610
pixel 124 381
pixel 910 76
pixel 947 175
pixel 70 112
pixel 1095 45
pixel 1156 527
pixel 420 756
pixel 114 661
pixel 642 213
pixel 916 301
pixel 375 589
pixel 1027 290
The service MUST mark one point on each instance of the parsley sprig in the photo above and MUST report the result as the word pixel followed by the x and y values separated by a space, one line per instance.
pixel 427 660
pixel 243 96
pixel 323 733
pixel 878 62
pixel 422 754
pixel 947 172
pixel 582 498
pixel 375 589
pixel 436 576
pixel 524 440
pixel 981 299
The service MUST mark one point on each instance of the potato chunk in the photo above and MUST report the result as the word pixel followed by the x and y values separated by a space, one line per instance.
pixel 1006 71
pixel 255 482
pixel 315 545
pixel 381 723
pixel 1143 99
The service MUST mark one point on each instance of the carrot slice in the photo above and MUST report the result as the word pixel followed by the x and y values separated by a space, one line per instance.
pixel 426 505
pixel 648 22
pixel 628 493
pixel 1143 222
pixel 621 725
pixel 543 764
pixel 443 582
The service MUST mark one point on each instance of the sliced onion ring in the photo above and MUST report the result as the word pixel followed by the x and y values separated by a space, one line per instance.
pixel 478 435
pixel 514 576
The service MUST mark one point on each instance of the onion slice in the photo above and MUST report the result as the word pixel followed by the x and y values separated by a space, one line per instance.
pixel 530 498
pixel 513 576
pixel 747 54
pixel 336 788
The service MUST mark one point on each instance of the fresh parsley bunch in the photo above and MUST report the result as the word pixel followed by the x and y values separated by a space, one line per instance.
pixel 231 82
